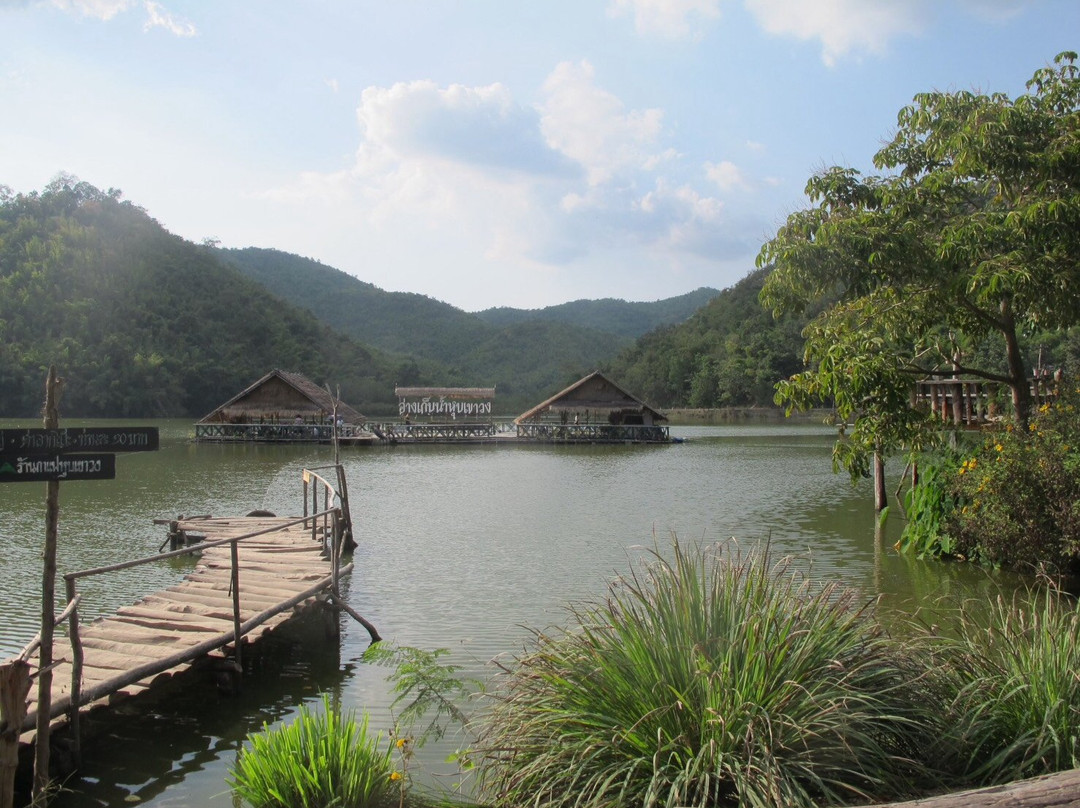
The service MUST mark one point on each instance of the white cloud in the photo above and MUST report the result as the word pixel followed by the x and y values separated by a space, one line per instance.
pixel 670 18
pixel 99 9
pixel 481 127
pixel 471 171
pixel 159 17
pixel 674 19
pixel 727 176
pixel 592 126
pixel 843 26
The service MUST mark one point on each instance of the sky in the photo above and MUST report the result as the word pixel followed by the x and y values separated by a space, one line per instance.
pixel 490 152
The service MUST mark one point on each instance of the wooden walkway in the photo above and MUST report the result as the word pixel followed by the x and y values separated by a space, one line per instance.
pixel 279 571
pixel 254 573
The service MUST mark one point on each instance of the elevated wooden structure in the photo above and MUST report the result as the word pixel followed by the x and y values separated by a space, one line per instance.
pixel 283 407
pixel 974 403
pixel 254 574
pixel 592 410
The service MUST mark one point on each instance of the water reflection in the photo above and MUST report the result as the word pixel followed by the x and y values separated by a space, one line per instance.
pixel 163 751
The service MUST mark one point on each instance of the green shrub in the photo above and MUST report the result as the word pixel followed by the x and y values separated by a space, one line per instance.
pixel 705 682
pixel 1019 495
pixel 1013 665
pixel 319 760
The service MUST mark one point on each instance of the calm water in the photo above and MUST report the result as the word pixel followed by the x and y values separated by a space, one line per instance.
pixel 462 548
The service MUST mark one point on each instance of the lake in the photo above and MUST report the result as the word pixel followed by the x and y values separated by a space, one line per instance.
pixel 460 547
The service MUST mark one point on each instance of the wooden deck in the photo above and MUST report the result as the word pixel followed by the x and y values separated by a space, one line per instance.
pixel 124 653
pixel 253 574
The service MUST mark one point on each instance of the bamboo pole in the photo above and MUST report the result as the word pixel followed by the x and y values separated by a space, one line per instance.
pixel 234 584
pixel 53 388
pixel 77 660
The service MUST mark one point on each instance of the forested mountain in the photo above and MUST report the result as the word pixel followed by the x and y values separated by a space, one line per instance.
pixel 393 321
pixel 620 317
pixel 526 355
pixel 142 323
pixel 730 353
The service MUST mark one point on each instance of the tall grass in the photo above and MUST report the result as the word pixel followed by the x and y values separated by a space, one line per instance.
pixel 705 682
pixel 1015 669
pixel 321 759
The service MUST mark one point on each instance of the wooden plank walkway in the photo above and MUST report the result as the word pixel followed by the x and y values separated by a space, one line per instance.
pixel 279 572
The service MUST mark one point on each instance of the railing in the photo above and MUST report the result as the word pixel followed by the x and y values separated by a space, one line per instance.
pixel 973 403
pixel 279 433
pixel 593 433
pixel 430 432
pixel 332 522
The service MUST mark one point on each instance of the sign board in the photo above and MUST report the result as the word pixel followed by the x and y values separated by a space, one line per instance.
pixel 25 442
pixel 56 467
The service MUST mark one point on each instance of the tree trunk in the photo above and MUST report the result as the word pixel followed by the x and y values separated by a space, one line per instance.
pixel 1018 375
pixel 880 498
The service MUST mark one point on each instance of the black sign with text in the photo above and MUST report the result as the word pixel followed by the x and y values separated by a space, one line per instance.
pixel 56 467
pixel 26 442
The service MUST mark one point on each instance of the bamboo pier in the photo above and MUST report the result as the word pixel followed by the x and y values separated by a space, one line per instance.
pixel 254 573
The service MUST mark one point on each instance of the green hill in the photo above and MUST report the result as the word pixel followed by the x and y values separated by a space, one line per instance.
pixel 730 353
pixel 393 321
pixel 619 317
pixel 526 355
pixel 142 323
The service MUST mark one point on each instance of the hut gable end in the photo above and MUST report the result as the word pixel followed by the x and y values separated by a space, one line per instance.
pixel 596 398
pixel 280 396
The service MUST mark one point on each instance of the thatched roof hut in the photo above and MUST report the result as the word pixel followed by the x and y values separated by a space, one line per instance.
pixel 593 399
pixel 278 397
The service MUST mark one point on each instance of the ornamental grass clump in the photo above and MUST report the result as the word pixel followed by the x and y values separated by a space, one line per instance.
pixel 1015 668
pixel 705 682
pixel 321 759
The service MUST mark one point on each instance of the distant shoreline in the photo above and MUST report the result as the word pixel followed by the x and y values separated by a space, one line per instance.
pixel 731 415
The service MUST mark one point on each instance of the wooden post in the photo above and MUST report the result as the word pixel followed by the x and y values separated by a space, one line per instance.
pixel 235 583
pixel 880 498
pixel 77 659
pixel 53 387
pixel 14 688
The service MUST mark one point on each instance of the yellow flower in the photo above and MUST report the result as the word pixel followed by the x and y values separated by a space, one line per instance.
pixel 401 743
pixel 395 776
pixel 999 447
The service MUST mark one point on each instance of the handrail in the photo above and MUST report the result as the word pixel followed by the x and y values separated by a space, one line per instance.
pixel 335 525
pixel 189 549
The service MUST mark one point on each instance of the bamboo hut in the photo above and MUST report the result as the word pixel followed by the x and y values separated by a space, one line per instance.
pixel 593 410
pixel 282 407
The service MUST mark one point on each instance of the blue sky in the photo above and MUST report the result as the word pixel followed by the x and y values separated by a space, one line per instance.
pixel 495 152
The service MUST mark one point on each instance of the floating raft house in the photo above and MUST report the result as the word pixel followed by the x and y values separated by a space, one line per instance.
pixel 283 407
pixel 593 410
